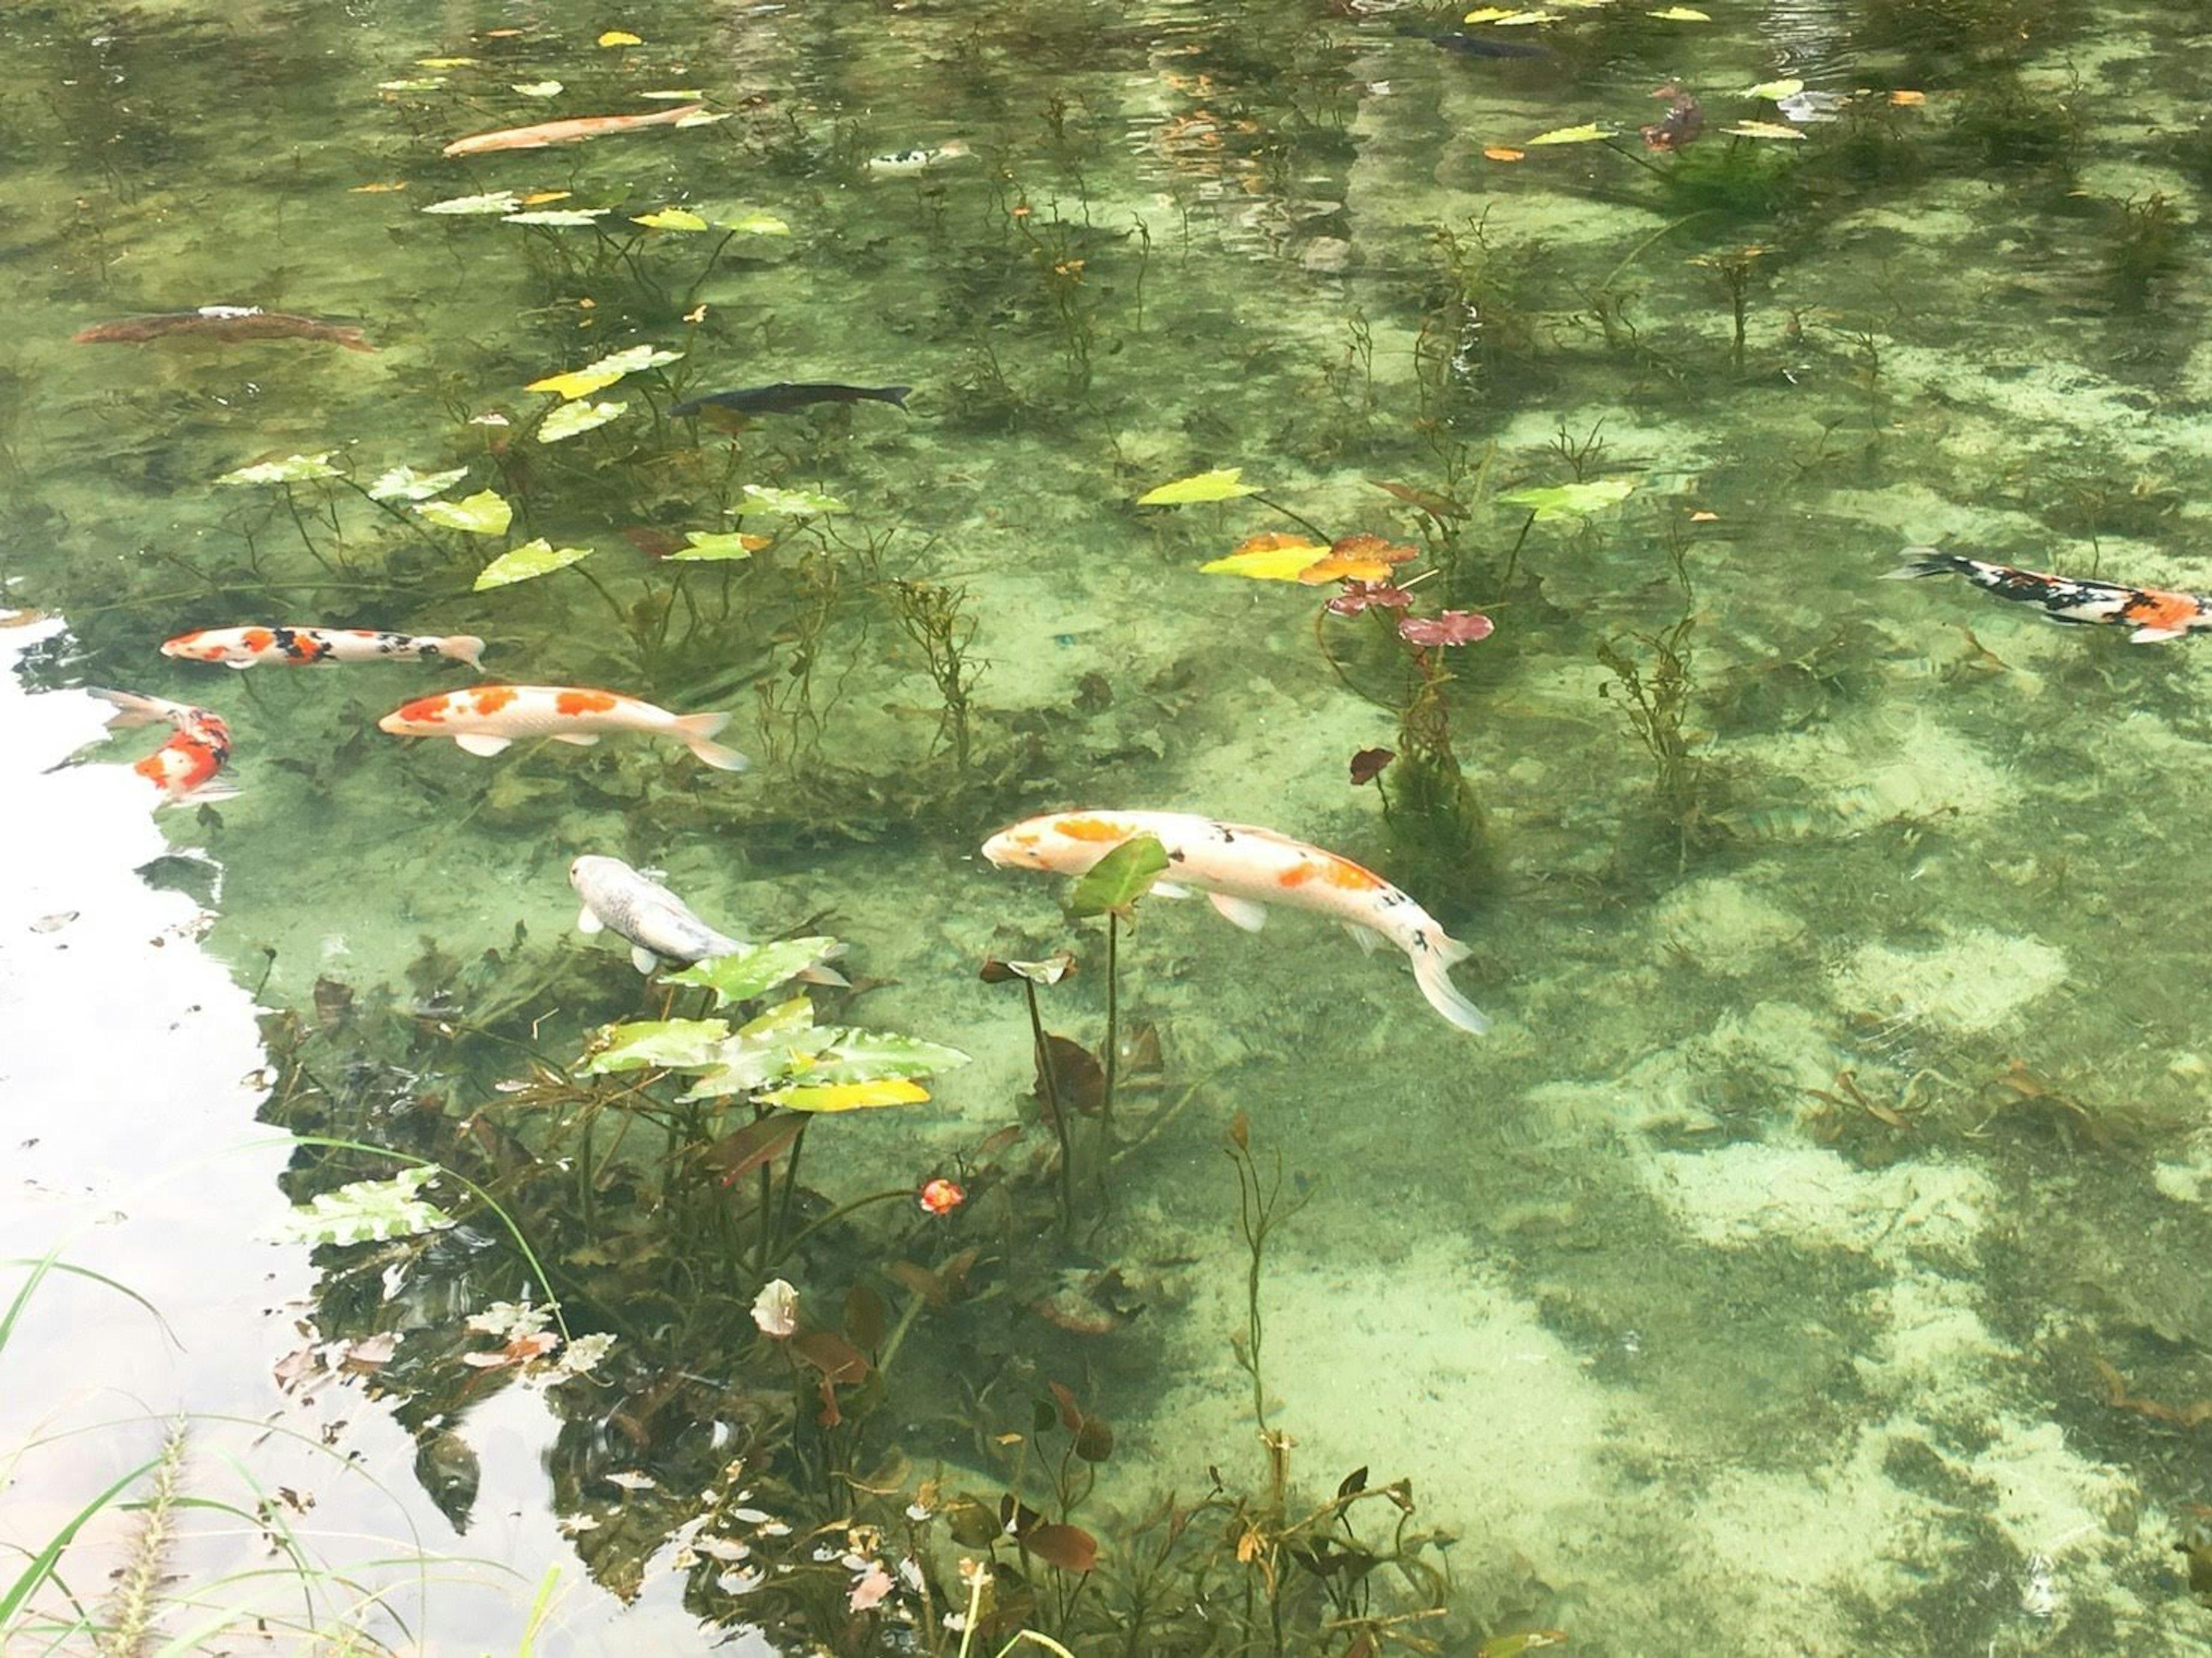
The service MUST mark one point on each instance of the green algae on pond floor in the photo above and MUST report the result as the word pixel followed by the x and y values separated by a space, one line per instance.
pixel 1752 1285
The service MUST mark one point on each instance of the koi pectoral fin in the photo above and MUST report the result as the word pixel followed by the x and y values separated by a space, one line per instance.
pixel 589 923
pixel 1362 937
pixel 581 739
pixel 482 742
pixel 643 959
pixel 1241 912
pixel 1172 890
pixel 2154 635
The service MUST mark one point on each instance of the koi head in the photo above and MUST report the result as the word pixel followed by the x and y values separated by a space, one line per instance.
pixel 423 717
pixel 193 646
pixel 1066 843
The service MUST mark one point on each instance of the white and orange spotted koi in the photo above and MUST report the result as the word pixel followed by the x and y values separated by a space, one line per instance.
pixel 242 647
pixel 1241 869
pixel 485 719
pixel 184 768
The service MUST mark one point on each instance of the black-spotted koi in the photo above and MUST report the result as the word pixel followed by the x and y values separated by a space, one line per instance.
pixel 2154 613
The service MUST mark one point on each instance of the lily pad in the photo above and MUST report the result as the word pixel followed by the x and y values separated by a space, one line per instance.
pixel 490 202
pixel 1120 878
pixel 1570 500
pixel 794 503
pixel 558 216
pixel 705 548
pixel 621 38
pixel 484 513
pixel 752 970
pixel 405 483
pixel 539 88
pixel 669 218
pixel 1274 558
pixel 293 469
pixel 596 376
pixel 750 221
pixel 1762 130
pixel 1789 86
pixel 842 1055
pixel 366 1211
pixel 572 418
pixel 1588 133
pixel 1223 483
pixel 678 1044
pixel 846 1096
pixel 527 563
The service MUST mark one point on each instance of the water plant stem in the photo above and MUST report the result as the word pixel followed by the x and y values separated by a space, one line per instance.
pixel 1048 1073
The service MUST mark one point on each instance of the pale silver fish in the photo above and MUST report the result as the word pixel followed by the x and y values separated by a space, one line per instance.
pixel 657 924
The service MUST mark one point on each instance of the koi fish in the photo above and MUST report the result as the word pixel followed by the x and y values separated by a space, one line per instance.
pixel 221 322
pixel 787 396
pixel 183 769
pixel 1241 869
pixel 569 131
pixel 657 924
pixel 241 647
pixel 2154 613
pixel 488 718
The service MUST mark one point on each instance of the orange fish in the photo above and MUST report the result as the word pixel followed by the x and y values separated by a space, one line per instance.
pixel 183 768
pixel 1241 869
pixel 488 718
pixel 241 647
pixel 569 131
pixel 221 322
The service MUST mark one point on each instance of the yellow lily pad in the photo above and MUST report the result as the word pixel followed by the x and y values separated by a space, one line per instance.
pixel 621 38
pixel 1223 483
pixel 846 1096
pixel 1762 130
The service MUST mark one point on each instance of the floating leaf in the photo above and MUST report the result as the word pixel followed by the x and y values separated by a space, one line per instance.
pixel 677 95
pixel 1362 558
pixel 293 469
pixel 751 970
pixel 427 84
pixel 846 1096
pixel 1505 17
pixel 1762 130
pixel 736 1154
pixel 1367 765
pixel 1503 153
pixel 669 218
pixel 1777 90
pixel 495 201
pixel 1588 133
pixel 366 1211
pixel 1116 881
pixel 705 548
pixel 621 38
pixel 701 120
pixel 1445 627
pixel 795 503
pixel 484 513
pixel 539 88
pixel 752 222
pixel 405 483
pixel 678 1044
pixel 571 418
pixel 529 560
pixel 1907 99
pixel 1070 1548
pixel 1271 557
pixel 558 216
pixel 840 1053
pixel 1223 485
pixel 384 188
pixel 445 63
pixel 1680 14
pixel 1570 500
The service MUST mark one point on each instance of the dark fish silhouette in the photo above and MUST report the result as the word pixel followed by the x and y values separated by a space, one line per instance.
pixel 221 322
pixel 1476 45
pixel 787 396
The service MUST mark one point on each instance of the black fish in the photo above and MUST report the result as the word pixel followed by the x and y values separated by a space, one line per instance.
pixel 787 396
pixel 1476 45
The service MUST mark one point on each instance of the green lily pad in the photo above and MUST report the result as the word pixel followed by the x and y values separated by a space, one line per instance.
pixel 491 201
pixel 484 513
pixel 405 483
pixel 572 418
pixel 794 503
pixel 842 1055
pixel 675 1044
pixel 704 548
pixel 753 970
pixel 1588 133
pixel 1570 500
pixel 366 1211
pixel 1120 878
pixel 527 563
pixel 669 218
pixel 1790 87
pixel 293 469
pixel 1225 483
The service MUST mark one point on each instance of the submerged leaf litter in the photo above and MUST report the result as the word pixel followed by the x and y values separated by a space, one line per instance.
pixel 1810 1257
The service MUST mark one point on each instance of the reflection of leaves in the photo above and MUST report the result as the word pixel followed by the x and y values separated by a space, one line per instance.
pixel 293 469
pixel 1225 483
pixel 702 547
pixel 795 503
pixel 522 563
pixel 1570 500
pixel 751 970
pixel 678 1044
pixel 572 419
pixel 405 483
pixel 484 513
pixel 1116 881
pixel 366 1212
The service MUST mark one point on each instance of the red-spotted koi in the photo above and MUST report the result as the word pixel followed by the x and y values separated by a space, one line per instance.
pixel 1241 869
pixel 569 131
pixel 485 719
pixel 183 769
pixel 2154 613
pixel 242 647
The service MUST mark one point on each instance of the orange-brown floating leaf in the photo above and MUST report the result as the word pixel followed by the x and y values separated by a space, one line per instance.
pixel 1504 153
pixel 1367 545
pixel 1077 1075
pixel 838 1359
pixel 1071 1414
pixel 520 1350
pixel 536 196
pixel 1703 517
pixel 1908 98
pixel 1268 540
pixel 756 1143
pixel 378 190
pixel 1071 1548
pixel 1367 764
pixel 654 544
pixel 1343 567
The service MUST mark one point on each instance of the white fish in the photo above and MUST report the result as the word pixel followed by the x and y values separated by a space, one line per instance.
pixel 241 647
pixel 1241 869
pixel 656 923
pixel 485 719
pixel 903 163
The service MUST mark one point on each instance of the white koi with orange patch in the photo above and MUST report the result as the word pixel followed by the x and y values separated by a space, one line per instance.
pixel 242 647
pixel 183 769
pixel 486 719
pixel 1241 869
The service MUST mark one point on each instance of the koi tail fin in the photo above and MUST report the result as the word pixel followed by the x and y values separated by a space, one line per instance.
pixel 462 647
pixel 1922 560
pixel 892 394
pixel 699 730
pixel 1433 961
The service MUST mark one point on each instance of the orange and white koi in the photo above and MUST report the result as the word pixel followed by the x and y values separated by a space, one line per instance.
pixel 570 132
pixel 1241 869
pixel 183 769
pixel 242 647
pixel 486 719
pixel 2154 613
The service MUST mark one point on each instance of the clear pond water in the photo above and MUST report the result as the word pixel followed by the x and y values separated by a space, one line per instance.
pixel 1810 1259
